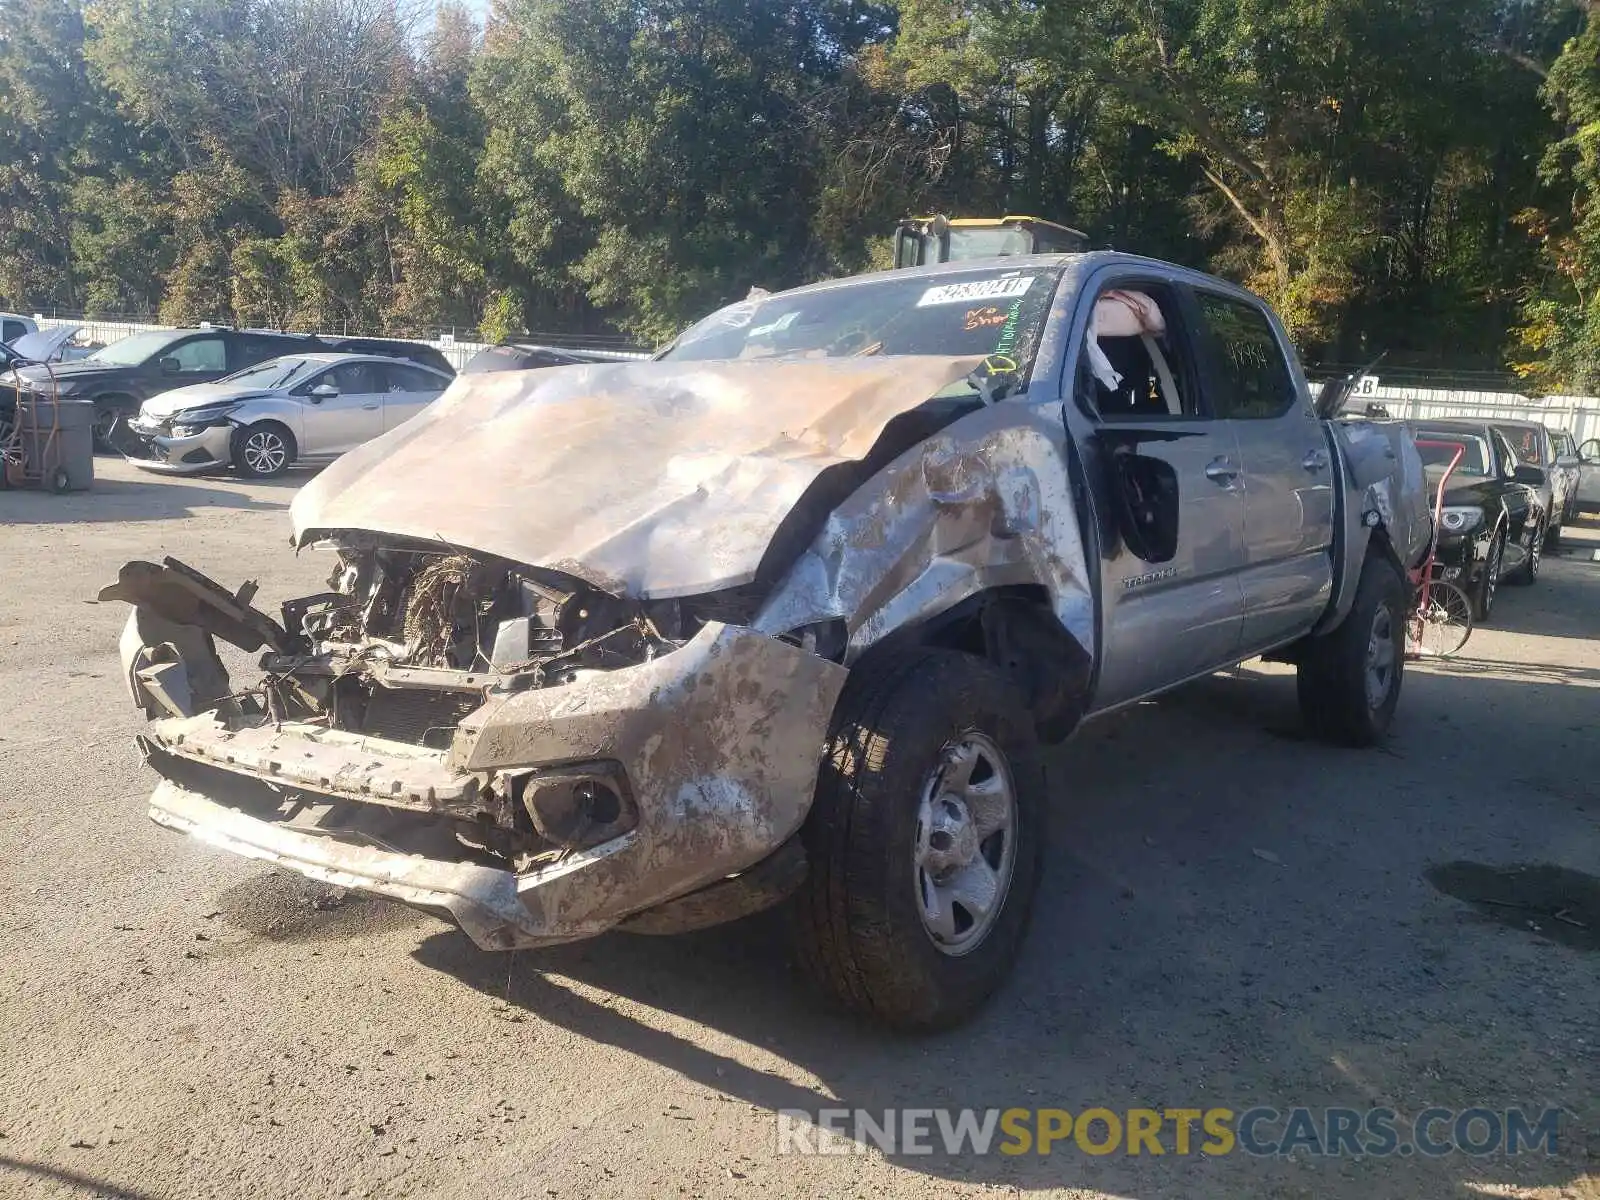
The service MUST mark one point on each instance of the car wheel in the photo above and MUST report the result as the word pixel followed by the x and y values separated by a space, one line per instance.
pixel 111 434
pixel 263 450
pixel 1527 573
pixel 924 839
pixel 1489 581
pixel 1349 679
pixel 1552 536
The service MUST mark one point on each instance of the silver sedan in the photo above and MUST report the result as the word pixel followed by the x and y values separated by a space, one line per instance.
pixel 300 408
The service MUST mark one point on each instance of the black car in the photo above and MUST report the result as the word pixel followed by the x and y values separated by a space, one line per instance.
pixel 1493 523
pixel 417 352
pixel 123 375
pixel 530 356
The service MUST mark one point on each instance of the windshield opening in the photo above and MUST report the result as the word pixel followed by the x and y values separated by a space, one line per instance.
pixel 1526 444
pixel 961 314
pixel 275 373
pixel 1441 448
pixel 135 349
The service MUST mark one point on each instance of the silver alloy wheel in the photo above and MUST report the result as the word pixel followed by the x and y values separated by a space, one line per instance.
pixel 966 847
pixel 265 452
pixel 1535 550
pixel 1497 557
pixel 1380 658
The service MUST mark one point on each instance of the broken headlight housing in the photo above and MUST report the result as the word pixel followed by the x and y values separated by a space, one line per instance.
pixel 196 420
pixel 1462 519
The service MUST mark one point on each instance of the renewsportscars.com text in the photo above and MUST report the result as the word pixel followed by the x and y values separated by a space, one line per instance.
pixel 1260 1131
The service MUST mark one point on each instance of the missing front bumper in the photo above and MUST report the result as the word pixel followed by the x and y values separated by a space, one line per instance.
pixel 720 741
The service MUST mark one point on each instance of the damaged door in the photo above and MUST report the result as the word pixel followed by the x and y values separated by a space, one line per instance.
pixel 1172 549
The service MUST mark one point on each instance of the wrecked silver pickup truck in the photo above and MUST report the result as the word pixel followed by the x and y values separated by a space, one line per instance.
pixel 786 614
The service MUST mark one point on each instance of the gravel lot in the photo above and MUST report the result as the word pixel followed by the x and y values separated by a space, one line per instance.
pixel 1231 916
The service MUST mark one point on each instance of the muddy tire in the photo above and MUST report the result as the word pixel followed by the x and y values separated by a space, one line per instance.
pixel 1527 572
pixel 1349 679
pixel 924 840
pixel 1489 582
pixel 264 450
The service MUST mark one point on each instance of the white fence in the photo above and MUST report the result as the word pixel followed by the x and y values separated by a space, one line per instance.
pixel 1578 415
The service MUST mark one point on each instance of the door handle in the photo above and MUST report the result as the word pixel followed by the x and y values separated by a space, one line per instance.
pixel 1315 460
pixel 369 407
pixel 1222 470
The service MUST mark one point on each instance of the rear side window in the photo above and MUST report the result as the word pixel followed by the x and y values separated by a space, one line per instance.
pixel 400 378
pixel 1251 379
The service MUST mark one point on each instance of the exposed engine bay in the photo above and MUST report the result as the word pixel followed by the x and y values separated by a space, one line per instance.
pixel 409 642
pixel 410 639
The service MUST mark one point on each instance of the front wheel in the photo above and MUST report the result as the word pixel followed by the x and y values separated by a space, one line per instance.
pixel 263 451
pixel 924 839
pixel 1489 580
pixel 1528 573
pixel 1349 679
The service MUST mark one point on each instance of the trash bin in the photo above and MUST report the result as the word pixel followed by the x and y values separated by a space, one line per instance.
pixel 76 442
pixel 51 445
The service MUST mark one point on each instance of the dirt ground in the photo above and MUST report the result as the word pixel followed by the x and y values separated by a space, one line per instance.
pixel 1231 916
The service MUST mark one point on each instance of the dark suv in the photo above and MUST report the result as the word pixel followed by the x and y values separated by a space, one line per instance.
pixel 1494 519
pixel 122 376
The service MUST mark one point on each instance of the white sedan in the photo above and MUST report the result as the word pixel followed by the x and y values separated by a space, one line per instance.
pixel 299 408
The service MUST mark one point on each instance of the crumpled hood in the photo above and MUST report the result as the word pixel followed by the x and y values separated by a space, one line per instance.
pixel 195 395
pixel 651 479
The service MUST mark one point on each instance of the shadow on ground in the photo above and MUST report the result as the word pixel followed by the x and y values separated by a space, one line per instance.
pixel 152 498
pixel 1230 916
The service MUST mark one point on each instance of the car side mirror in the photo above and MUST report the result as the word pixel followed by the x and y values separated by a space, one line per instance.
pixel 1532 476
pixel 1145 492
pixel 323 391
pixel 1590 451
pixel 169 366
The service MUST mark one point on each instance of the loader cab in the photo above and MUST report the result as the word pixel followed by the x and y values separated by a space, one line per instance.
pixel 919 241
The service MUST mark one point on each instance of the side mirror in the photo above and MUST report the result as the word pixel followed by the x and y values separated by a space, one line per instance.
pixel 1146 497
pixel 1532 476
pixel 169 366
pixel 323 391
pixel 1590 450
